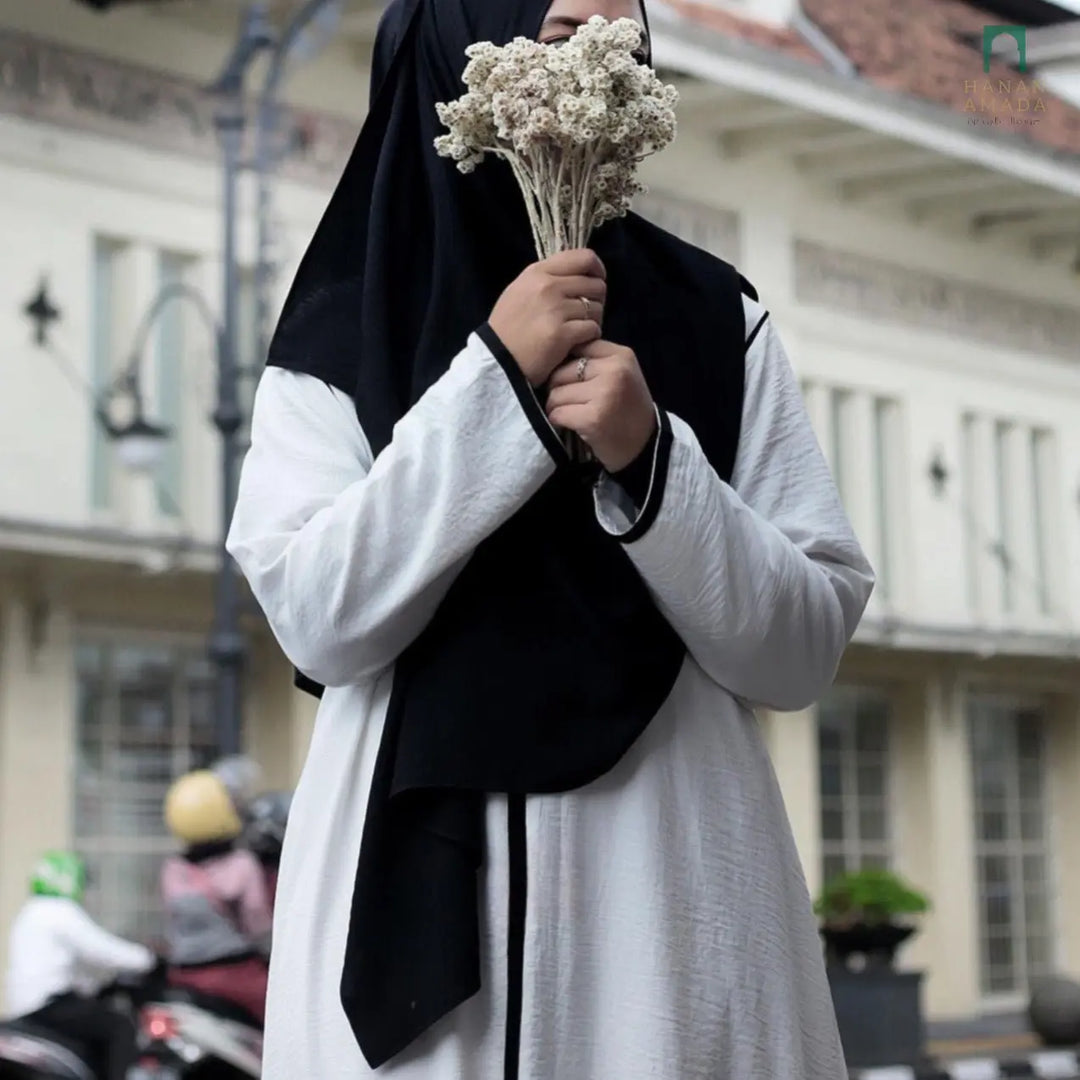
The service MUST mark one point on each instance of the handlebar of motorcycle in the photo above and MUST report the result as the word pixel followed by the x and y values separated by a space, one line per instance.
pixel 138 987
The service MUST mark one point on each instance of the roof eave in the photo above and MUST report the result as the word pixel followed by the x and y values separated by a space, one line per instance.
pixel 684 45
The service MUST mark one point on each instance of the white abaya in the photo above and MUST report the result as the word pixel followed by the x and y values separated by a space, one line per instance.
pixel 668 930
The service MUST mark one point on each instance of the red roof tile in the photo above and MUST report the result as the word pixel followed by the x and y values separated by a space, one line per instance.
pixel 930 49
pixel 780 38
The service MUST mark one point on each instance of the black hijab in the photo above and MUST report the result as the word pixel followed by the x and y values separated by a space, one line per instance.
pixel 547 658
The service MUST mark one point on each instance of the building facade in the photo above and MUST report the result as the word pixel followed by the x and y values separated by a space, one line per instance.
pixel 915 267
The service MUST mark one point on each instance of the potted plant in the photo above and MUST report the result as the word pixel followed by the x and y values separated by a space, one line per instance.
pixel 867 912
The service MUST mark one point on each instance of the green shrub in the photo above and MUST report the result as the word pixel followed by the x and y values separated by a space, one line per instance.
pixel 868 896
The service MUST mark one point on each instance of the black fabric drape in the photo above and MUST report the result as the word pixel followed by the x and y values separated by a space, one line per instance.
pixel 547 658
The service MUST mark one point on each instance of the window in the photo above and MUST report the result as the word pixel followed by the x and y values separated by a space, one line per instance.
pixel 1012 851
pixel 853 764
pixel 144 717
pixel 103 346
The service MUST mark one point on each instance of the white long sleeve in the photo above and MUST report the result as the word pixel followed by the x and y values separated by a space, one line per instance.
pixel 350 558
pixel 763 579
pixel 96 948
pixel 56 948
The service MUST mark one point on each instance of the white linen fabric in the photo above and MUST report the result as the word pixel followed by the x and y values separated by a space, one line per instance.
pixel 668 928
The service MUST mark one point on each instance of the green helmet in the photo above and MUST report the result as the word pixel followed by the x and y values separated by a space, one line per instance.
pixel 59 873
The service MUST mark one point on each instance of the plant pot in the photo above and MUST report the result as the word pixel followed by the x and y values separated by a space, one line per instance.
pixel 877 942
pixel 879 1016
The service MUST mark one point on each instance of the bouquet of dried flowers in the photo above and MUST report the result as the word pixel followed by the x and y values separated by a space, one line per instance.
pixel 572 120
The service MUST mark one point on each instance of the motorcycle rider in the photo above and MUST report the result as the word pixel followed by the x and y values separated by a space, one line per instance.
pixel 218 915
pixel 264 834
pixel 242 778
pixel 58 956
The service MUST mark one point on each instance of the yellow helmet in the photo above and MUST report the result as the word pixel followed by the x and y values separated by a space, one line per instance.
pixel 198 809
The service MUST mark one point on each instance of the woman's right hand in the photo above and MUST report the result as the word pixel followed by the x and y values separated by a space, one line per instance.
pixel 541 318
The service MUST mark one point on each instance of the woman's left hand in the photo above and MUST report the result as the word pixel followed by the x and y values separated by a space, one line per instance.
pixel 610 407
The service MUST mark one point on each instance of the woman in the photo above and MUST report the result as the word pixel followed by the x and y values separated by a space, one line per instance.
pixel 537 834
pixel 214 894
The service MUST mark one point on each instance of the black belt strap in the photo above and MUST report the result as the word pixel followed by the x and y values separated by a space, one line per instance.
pixel 515 938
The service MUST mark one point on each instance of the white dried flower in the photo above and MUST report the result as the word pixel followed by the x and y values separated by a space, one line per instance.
pixel 572 120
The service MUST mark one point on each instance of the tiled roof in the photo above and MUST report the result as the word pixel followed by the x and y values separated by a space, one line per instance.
pixel 930 49
pixel 780 38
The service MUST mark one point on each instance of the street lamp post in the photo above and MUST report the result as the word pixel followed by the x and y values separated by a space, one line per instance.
pixel 304 36
pixel 256 35
pixel 140 443
pixel 227 645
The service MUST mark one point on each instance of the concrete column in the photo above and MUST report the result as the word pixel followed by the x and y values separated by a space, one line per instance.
pixel 304 709
pixel 981 492
pixel 1064 782
pixel 1054 562
pixel 793 747
pixel 935 841
pixel 897 571
pixel 1060 491
pixel 267 715
pixel 279 718
pixel 819 408
pixel 1021 522
pixel 37 715
pixel 911 808
pixel 937 589
pixel 856 445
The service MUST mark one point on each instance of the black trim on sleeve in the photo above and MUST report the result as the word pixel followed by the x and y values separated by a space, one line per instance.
pixel 525 395
pixel 309 686
pixel 659 483
pixel 635 478
pixel 747 288
pixel 756 330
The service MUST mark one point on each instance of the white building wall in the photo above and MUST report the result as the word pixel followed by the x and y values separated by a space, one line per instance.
pixel 60 189
pixel 933 377
pixel 55 199
pixel 37 744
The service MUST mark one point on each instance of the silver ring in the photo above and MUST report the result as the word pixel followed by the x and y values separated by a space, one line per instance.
pixel 588 305
pixel 582 361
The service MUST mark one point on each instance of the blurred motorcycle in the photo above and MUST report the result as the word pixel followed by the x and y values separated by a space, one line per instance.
pixel 179 1034
pixel 31 1051
pixel 185 1035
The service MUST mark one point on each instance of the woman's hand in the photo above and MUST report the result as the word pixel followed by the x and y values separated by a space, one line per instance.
pixel 541 317
pixel 611 408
